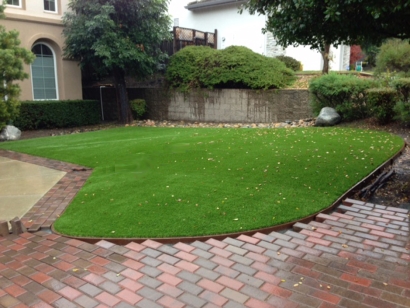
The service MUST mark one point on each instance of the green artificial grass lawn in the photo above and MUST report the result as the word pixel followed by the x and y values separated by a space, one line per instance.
pixel 163 182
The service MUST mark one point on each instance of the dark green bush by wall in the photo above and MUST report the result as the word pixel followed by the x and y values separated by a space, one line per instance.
pixel 57 114
pixel 381 102
pixel 234 67
pixel 402 112
pixel 138 108
pixel 346 93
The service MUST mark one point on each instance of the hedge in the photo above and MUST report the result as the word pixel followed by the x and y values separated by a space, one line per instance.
pixel 57 114
pixel 381 102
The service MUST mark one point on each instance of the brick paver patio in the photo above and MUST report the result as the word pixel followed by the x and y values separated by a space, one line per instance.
pixel 357 256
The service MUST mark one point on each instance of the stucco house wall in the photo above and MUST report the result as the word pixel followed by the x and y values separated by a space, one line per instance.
pixel 36 25
pixel 246 30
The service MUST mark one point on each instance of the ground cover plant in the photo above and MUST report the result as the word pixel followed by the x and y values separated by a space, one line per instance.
pixel 161 182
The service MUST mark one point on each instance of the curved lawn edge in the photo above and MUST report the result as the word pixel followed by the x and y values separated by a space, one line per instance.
pixel 190 239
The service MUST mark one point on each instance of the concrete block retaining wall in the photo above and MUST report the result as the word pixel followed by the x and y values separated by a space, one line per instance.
pixel 227 105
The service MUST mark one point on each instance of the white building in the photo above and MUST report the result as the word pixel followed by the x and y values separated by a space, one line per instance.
pixel 246 30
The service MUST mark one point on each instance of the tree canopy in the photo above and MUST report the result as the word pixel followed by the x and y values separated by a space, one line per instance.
pixel 12 57
pixel 117 37
pixel 320 23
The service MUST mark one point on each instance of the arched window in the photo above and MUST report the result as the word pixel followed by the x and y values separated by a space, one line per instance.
pixel 43 72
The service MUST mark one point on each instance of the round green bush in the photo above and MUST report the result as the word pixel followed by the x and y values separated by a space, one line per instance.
pixel 233 67
pixel 138 108
pixel 394 57
pixel 344 92
pixel 290 62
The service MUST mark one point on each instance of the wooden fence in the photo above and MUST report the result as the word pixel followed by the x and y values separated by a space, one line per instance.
pixel 183 37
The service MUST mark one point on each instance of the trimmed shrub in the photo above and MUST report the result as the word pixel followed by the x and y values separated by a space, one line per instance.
pixel 402 85
pixel 57 114
pixel 182 71
pixel 345 93
pixel 290 62
pixel 381 102
pixel 394 56
pixel 233 67
pixel 138 108
pixel 402 112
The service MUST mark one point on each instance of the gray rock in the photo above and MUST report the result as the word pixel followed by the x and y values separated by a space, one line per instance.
pixel 328 117
pixel 10 133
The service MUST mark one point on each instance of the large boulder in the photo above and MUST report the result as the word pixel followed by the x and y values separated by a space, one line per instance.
pixel 10 132
pixel 328 117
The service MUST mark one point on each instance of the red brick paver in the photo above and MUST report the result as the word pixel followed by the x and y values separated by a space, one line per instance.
pixel 356 257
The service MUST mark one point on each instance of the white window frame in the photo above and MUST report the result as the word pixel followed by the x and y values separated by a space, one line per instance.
pixel 17 6
pixel 49 11
pixel 55 73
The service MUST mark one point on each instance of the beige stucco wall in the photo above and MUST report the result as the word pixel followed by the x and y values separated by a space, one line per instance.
pixel 36 25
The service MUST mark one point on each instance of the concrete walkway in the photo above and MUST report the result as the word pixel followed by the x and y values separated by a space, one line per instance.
pixel 53 202
pixel 356 257
pixel 23 185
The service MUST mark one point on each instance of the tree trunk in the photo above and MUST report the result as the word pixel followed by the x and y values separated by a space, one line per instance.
pixel 325 55
pixel 124 110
